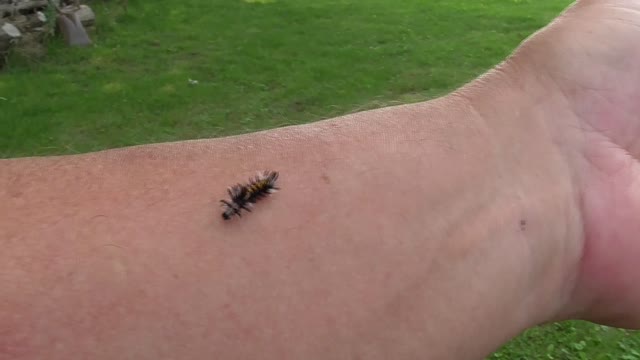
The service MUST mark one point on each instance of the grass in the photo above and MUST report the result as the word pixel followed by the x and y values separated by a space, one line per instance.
pixel 571 340
pixel 262 64
pixel 259 64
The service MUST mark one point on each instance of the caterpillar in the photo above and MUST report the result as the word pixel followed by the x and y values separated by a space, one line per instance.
pixel 244 196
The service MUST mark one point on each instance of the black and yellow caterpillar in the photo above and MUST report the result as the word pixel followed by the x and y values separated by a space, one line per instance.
pixel 244 196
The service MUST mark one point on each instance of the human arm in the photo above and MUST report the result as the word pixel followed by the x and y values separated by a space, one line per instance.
pixel 397 233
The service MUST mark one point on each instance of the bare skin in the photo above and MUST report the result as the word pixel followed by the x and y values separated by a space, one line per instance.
pixel 397 233
pixel 592 55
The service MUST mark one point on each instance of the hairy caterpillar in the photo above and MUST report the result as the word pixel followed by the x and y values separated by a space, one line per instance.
pixel 244 196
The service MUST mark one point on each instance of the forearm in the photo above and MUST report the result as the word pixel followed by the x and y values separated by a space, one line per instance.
pixel 397 232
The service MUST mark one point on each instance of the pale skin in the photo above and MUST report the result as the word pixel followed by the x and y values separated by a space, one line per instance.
pixel 436 230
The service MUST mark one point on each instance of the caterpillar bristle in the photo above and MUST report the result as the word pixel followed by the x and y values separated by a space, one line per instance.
pixel 244 196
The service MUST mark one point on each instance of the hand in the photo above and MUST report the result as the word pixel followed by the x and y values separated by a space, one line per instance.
pixel 591 55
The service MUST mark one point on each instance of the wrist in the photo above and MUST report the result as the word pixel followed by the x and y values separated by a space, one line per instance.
pixel 529 125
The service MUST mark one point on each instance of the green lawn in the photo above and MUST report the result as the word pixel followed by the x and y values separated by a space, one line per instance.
pixel 259 64
pixel 263 64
